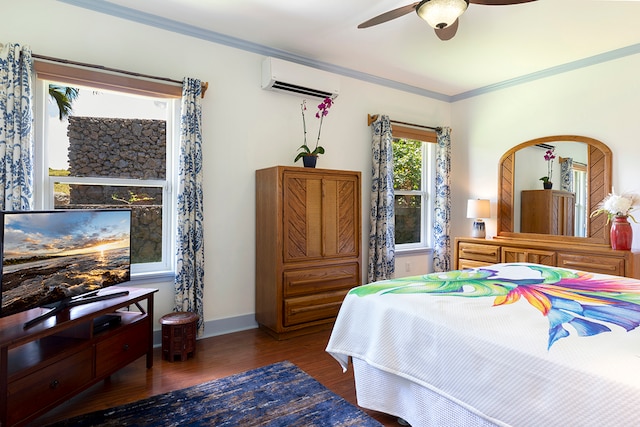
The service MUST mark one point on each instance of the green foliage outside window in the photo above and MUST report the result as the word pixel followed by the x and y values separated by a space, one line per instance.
pixel 407 169
pixel 407 164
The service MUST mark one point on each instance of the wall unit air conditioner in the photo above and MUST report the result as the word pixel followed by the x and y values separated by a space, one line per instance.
pixel 284 76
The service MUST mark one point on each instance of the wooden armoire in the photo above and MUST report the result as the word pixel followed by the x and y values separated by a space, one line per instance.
pixel 308 246
pixel 547 212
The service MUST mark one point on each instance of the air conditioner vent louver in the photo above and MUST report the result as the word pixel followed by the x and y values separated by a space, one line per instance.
pixel 294 78
pixel 288 87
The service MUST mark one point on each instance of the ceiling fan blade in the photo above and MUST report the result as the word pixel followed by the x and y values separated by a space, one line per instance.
pixel 499 2
pixel 388 16
pixel 448 32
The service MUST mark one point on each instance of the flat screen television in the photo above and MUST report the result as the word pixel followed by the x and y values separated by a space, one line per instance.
pixel 61 258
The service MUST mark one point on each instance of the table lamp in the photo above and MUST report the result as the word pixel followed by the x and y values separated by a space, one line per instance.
pixel 478 209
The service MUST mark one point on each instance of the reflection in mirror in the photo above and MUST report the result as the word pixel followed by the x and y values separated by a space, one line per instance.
pixel 569 174
pixel 585 161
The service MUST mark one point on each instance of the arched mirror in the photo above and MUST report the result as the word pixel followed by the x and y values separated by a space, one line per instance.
pixel 587 181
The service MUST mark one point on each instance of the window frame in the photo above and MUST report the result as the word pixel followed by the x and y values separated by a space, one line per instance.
pixel 427 185
pixel 46 72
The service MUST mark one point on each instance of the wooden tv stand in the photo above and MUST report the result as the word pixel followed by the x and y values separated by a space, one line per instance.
pixel 42 366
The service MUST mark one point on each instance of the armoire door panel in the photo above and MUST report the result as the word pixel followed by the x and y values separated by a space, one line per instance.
pixel 348 219
pixel 314 218
pixel 329 217
pixel 302 218
pixel 295 218
pixel 321 218
pixel 340 216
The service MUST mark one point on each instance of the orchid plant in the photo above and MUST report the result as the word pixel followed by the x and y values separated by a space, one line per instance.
pixel 323 110
pixel 548 157
pixel 617 205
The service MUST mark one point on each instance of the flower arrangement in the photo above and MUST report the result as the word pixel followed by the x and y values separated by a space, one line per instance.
pixel 615 205
pixel 548 157
pixel 323 110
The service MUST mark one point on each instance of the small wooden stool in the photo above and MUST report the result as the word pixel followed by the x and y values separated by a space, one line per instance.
pixel 179 335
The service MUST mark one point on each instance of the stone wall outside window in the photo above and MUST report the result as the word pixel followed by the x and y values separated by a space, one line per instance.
pixel 121 148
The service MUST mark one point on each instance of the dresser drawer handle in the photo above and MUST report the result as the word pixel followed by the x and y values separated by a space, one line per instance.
pixel 54 384
pixel 125 347
pixel 590 266
pixel 477 252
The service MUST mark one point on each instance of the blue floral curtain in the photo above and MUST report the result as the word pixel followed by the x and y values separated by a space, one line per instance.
pixel 189 282
pixel 566 174
pixel 381 216
pixel 442 203
pixel 16 129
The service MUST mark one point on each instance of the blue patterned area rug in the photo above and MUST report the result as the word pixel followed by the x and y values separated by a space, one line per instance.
pixel 276 395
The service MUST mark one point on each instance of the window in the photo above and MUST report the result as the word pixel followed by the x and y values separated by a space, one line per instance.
pixel 413 158
pixel 580 189
pixel 115 150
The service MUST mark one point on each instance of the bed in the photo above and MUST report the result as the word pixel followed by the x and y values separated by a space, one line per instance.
pixel 507 344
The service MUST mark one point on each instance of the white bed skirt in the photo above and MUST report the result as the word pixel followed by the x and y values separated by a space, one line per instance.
pixel 391 394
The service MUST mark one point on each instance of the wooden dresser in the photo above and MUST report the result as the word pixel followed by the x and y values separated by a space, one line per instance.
pixel 308 234
pixel 471 252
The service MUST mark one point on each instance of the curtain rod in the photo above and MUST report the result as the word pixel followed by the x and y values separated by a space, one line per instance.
pixel 373 117
pixel 205 85
pixel 564 159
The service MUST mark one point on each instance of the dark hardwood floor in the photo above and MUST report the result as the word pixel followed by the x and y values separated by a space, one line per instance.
pixel 215 357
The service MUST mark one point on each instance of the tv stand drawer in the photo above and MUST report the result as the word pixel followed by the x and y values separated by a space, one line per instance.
pixel 48 385
pixel 123 347
pixel 44 366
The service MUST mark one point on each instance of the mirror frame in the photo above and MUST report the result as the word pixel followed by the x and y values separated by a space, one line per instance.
pixel 598 177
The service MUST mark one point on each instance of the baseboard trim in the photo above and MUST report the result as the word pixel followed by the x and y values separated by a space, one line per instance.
pixel 217 327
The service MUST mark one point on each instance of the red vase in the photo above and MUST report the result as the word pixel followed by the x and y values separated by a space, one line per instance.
pixel 621 234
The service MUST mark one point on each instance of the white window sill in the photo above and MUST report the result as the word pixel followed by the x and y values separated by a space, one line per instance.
pixel 152 278
pixel 414 251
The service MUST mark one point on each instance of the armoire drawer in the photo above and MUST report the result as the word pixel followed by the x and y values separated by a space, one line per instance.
pixel 594 264
pixel 310 308
pixel 479 252
pixel 320 279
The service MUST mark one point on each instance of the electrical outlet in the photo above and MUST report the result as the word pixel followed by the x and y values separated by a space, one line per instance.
pixel 407 267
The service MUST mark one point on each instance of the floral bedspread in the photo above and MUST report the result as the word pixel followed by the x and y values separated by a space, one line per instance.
pixel 519 344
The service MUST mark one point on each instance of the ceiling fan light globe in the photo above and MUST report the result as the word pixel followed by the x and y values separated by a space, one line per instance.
pixel 441 13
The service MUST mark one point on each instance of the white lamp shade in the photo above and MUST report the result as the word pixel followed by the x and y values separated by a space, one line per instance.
pixel 441 13
pixel 478 208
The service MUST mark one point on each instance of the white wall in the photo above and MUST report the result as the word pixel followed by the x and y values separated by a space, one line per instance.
pixel 245 128
pixel 601 101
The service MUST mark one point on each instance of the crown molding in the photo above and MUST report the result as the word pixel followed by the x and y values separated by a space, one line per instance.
pixel 144 18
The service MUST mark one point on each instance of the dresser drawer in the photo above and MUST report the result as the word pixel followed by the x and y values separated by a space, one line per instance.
pixel 310 308
pixel 48 385
pixel 321 279
pixel 123 347
pixel 479 252
pixel 535 256
pixel 464 264
pixel 594 264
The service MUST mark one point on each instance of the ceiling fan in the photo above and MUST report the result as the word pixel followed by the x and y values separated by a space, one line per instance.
pixel 442 15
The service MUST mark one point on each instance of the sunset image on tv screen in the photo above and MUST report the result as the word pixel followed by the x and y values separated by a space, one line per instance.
pixel 49 256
